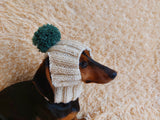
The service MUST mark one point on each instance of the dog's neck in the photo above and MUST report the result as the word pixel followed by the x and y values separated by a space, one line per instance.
pixel 41 82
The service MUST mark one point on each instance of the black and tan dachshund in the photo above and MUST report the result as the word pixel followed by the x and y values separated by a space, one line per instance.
pixel 34 99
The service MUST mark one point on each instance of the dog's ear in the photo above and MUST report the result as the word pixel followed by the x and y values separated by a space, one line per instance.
pixel 42 81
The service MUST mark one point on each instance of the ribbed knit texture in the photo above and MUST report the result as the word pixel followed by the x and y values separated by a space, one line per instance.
pixel 64 67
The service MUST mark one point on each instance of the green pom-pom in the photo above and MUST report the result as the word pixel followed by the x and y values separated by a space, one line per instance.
pixel 46 37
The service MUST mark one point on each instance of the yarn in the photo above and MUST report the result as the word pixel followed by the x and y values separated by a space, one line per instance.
pixel 46 37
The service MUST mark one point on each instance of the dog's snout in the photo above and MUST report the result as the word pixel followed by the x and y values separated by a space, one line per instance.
pixel 113 75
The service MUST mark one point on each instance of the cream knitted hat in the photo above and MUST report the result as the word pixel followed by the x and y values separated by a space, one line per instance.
pixel 63 64
pixel 64 67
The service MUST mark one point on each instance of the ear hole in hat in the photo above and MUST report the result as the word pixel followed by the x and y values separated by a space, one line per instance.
pixel 84 64
pixel 86 52
pixel 83 61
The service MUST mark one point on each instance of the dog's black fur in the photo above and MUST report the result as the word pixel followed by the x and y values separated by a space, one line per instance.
pixel 26 100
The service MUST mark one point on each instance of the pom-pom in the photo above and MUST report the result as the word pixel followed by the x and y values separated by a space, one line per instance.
pixel 45 37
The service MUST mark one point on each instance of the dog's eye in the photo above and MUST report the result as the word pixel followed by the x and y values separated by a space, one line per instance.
pixel 83 64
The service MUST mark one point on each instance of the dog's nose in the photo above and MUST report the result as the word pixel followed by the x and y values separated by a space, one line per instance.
pixel 113 75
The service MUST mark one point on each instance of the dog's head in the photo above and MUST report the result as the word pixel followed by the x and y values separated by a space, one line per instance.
pixel 91 71
pixel 68 63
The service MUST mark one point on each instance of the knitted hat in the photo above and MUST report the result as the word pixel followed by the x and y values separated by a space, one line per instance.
pixel 63 62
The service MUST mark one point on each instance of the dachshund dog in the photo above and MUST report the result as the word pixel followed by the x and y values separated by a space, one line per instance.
pixel 34 99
